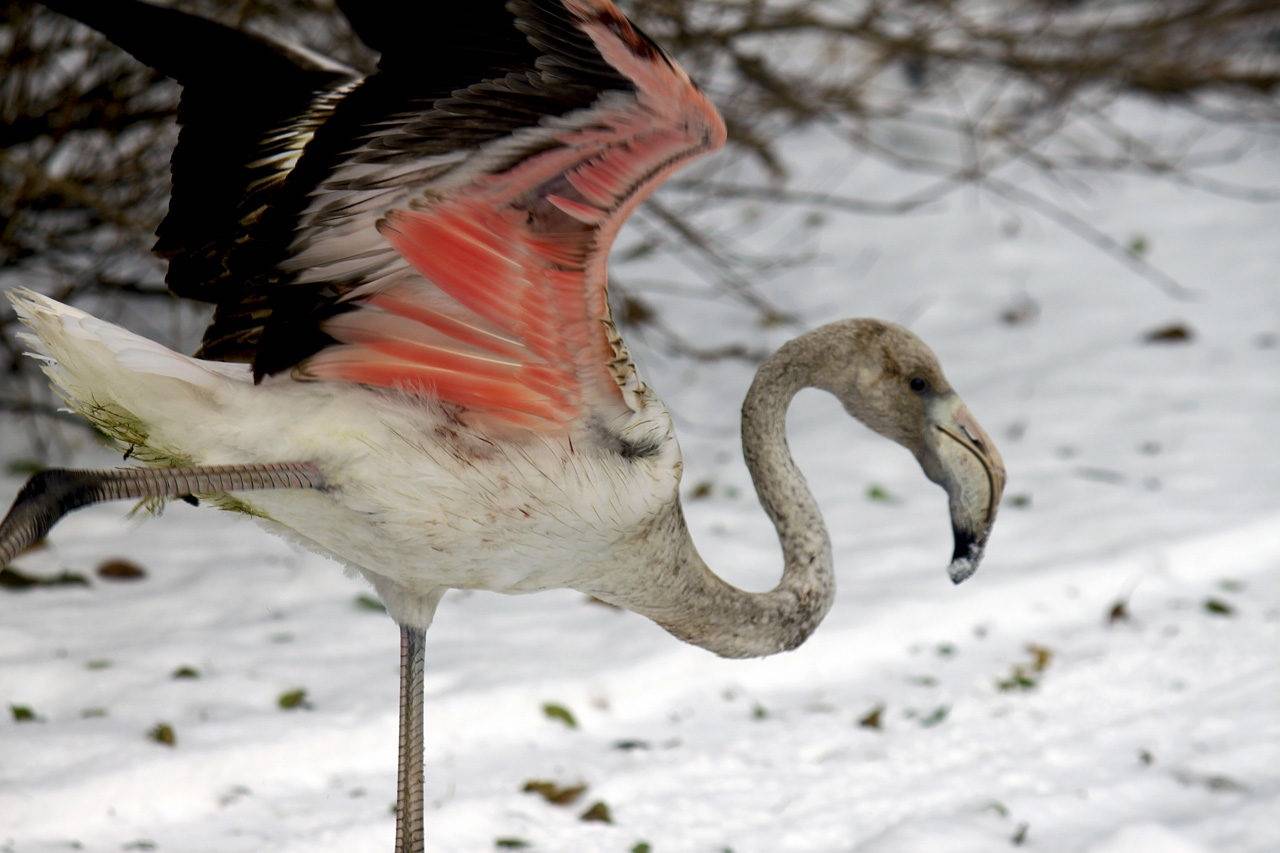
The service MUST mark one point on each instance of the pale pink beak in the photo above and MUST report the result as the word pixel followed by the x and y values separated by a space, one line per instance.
pixel 959 456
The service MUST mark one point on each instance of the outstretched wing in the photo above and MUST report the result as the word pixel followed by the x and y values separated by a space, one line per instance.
pixel 479 271
pixel 441 226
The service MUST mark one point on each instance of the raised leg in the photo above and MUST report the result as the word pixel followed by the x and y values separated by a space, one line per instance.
pixel 51 494
pixel 409 779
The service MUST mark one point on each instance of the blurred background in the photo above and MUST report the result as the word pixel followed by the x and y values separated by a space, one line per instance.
pixel 1076 202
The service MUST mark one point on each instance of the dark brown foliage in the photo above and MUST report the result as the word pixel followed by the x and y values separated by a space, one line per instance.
pixel 120 570
pixel 557 795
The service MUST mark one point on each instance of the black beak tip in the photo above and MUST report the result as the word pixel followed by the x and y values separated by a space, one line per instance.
pixel 966 556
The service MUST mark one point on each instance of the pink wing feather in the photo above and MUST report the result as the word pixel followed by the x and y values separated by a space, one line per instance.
pixel 507 316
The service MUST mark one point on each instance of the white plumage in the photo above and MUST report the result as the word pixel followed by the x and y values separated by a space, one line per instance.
pixel 417 501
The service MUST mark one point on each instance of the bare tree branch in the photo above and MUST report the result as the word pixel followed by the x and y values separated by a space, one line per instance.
pixel 948 94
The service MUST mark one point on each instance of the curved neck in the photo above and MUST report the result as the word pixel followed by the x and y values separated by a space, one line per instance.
pixel 698 606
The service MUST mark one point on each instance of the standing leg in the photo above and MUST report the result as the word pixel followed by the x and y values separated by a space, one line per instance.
pixel 409 779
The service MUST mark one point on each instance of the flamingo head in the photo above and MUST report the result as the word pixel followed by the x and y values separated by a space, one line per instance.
pixel 890 380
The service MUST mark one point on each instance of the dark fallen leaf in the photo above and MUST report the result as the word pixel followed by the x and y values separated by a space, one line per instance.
pixel 511 843
pixel 234 794
pixel 163 733
pixel 1219 783
pixel 1138 245
pixel 878 493
pixel 1100 475
pixel 555 711
pixel 1218 607
pixel 873 719
pixel 1146 758
pixel 1020 835
pixel 759 712
pixel 945 650
pixel 140 844
pixel 1171 333
pixel 641 847
pixel 1026 676
pixel 700 490
pixel 936 716
pixel 923 681
pixel 630 745
pixel 998 807
pixel 1019 679
pixel 293 699
pixel 598 813
pixel 1020 312
pixel 185 672
pixel 1041 657
pixel 1214 782
pixel 364 601
pixel 97 663
pixel 23 714
pixel 1119 612
pixel 120 570
pixel 17 580
pixel 557 795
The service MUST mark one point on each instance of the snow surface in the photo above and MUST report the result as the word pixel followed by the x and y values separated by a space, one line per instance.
pixel 1143 473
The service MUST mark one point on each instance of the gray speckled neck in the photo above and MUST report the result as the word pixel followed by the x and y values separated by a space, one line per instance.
pixel 696 605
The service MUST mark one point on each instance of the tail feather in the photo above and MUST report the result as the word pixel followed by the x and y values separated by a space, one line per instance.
pixel 136 391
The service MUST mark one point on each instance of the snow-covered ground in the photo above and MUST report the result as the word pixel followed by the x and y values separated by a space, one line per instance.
pixel 1013 711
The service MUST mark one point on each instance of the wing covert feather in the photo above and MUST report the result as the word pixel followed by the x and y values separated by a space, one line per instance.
pixel 501 260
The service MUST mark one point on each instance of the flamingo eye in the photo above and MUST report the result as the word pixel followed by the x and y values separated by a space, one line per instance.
pixel 918 384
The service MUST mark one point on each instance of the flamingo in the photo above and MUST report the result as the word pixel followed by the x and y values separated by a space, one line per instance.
pixel 412 367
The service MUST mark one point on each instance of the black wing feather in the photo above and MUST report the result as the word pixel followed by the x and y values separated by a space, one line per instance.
pixel 226 112
pixel 452 75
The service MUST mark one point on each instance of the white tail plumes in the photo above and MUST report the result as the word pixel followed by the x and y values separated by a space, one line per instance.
pixel 138 392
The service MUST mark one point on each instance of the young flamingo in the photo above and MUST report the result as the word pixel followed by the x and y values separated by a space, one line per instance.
pixel 412 366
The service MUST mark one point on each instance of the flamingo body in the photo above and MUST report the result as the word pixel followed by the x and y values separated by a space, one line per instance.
pixel 416 500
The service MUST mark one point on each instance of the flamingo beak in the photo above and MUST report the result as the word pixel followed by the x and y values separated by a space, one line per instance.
pixel 959 456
